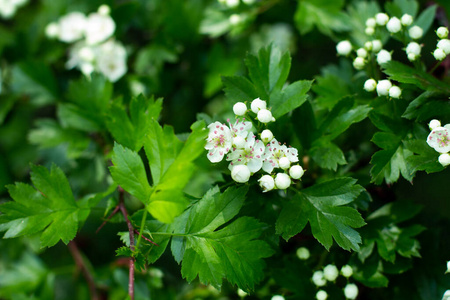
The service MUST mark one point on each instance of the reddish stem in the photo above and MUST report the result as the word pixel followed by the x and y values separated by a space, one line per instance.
pixel 145 238
pixel 82 266
pixel 108 218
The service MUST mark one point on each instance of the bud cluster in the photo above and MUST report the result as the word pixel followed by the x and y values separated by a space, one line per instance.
pixel 247 154
pixel 443 45
pixel 330 273
pixel 439 140
pixel 8 8
pixel 383 87
pixel 93 49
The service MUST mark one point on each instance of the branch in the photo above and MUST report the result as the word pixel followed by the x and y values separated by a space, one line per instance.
pixel 76 254
pixel 108 218
pixel 145 238
pixel 131 232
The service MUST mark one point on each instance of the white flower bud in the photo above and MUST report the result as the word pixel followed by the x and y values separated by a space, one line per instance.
pixel 361 52
pixel 344 48
pixel 371 22
pixel 264 116
pixel 232 3
pixel 296 172
pixel 446 295
pixel 381 19
pixel 86 54
pixel 235 19
pixel 383 57
pixel 330 272
pixel 407 20
pixel 241 293
pixel 318 278
pixel 52 30
pixel 383 87
pixel 284 163
pixel 267 183
pixel 394 25
pixel 448 267
pixel 376 45
pixel 444 159
pixel 412 57
pixel 321 295
pixel 277 297
pixel 282 181
pixel 240 173
pixel 303 253
pixel 439 54
pixel 239 142
pixel 87 68
pixel 369 30
pixel 359 63
pixel 239 109
pixel 395 92
pixel 257 105
pixel 434 124
pixel 104 10
pixel 351 291
pixel 266 136
pixel 415 32
pixel 370 85
pixel 444 45
pixel 368 46
pixel 442 32
pixel 347 271
pixel 414 48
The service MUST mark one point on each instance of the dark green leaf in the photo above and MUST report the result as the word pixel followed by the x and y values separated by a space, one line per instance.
pixel 426 18
pixel 290 97
pixel 238 88
pixel 326 154
pixel 425 158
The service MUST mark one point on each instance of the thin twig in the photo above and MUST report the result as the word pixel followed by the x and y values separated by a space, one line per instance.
pixel 108 218
pixel 145 238
pixel 82 266
pixel 131 232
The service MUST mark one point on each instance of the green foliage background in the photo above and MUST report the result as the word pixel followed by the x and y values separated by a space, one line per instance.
pixel 372 186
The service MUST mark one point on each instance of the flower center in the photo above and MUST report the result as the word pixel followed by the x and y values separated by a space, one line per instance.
pixel 443 140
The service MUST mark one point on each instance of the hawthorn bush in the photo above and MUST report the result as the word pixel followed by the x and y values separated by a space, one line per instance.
pixel 229 149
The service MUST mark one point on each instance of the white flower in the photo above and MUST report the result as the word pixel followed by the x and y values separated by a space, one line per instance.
pixel 370 85
pixel 239 109
pixel 330 272
pixel 369 30
pixel 265 116
pixel 415 32
pixel 376 45
pixel 104 10
pixel 267 183
pixel 52 30
pixel 75 61
pixel 359 63
pixel 99 28
pixel 347 271
pixel 86 53
pixel 7 9
pixel 239 142
pixel 383 87
pixel 303 253
pixel 274 152
pixel 266 136
pixel 218 141
pixel 71 27
pixel 251 154
pixel 235 19
pixel 240 173
pixel 368 45
pixel 444 45
pixel 383 57
pixel 351 291
pixel 444 160
pixel 442 32
pixel 232 3
pixel 321 295
pixel 241 293
pixel 296 172
pixel 407 20
pixel 381 19
pixel 446 295
pixel 112 60
pixel 344 48
pixel 282 181
pixel 277 297
pixel 371 22
pixel 395 92
pixel 257 105
pixel 439 54
pixel 439 139
pixel 361 52
pixel 434 124
pixel 394 25
pixel 414 48
pixel 448 267
pixel 318 278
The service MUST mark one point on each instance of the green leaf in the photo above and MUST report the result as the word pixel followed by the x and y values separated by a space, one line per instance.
pixel 128 171
pixel 50 209
pixel 400 7
pixel 405 74
pixel 130 130
pixel 239 88
pixel 304 122
pixel 212 250
pixel 426 158
pixel 6 104
pixel 322 205
pixel 427 106
pixel 426 18
pixel 326 154
pixel 290 97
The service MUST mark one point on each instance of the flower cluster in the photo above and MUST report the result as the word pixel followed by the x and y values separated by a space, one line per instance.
pixel 247 154
pixel 93 48
pixel 8 8
pixel 439 140
pixel 383 87
pixel 443 45
pixel 236 18
pixel 330 273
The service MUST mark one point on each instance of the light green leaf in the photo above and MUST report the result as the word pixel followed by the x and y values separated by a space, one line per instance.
pixel 322 205
pixel 426 18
